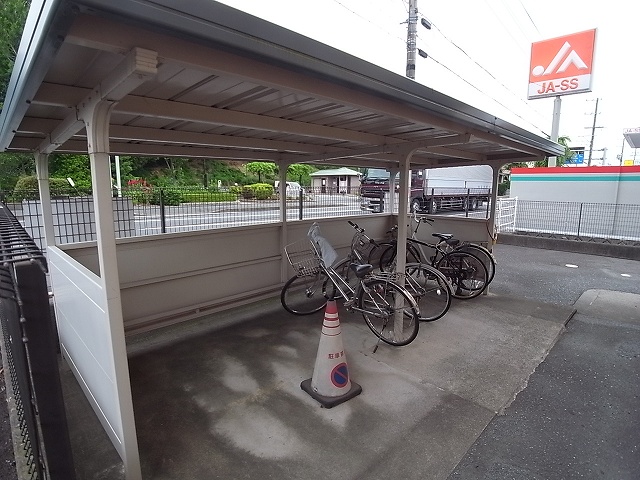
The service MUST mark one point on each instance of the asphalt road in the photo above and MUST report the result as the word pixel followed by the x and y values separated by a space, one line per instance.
pixel 560 277
pixel 578 416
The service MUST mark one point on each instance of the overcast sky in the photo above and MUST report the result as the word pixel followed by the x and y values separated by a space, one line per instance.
pixel 480 51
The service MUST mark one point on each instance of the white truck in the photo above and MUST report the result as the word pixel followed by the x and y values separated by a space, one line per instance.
pixel 459 188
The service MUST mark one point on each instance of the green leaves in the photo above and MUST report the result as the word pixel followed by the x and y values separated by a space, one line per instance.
pixel 13 14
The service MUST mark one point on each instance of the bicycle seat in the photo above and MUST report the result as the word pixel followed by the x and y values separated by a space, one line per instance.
pixel 361 270
pixel 447 237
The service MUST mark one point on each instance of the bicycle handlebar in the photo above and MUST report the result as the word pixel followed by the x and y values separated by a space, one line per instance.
pixel 359 229
pixel 423 219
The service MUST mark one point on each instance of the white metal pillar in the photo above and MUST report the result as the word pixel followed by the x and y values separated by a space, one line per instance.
pixel 393 172
pixel 491 233
pixel 284 237
pixel 96 120
pixel 42 172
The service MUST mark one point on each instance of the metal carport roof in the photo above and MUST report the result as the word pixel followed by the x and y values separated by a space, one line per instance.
pixel 215 82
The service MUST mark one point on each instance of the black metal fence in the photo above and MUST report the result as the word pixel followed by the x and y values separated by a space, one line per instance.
pixel 30 347
pixel 139 212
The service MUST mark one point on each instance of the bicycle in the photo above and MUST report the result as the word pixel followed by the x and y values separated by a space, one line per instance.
pixel 388 309
pixel 464 270
pixel 428 286
pixel 453 244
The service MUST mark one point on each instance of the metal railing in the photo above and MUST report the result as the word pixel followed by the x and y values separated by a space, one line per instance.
pixel 597 222
pixel 29 343
pixel 140 212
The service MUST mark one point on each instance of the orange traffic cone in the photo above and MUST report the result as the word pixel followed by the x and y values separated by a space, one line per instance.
pixel 330 384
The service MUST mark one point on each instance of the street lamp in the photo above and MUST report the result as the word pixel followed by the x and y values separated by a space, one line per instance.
pixel 425 23
pixel 422 53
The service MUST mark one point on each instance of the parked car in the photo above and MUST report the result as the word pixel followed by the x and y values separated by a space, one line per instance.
pixel 293 189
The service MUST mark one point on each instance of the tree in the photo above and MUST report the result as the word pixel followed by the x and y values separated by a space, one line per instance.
pixel 14 166
pixel 13 14
pixel 560 159
pixel 75 167
pixel 262 168
pixel 298 171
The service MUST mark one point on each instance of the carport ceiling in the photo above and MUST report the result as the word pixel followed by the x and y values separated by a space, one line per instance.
pixel 218 83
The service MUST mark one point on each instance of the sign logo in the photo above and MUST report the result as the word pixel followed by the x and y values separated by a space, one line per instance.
pixel 562 65
pixel 340 375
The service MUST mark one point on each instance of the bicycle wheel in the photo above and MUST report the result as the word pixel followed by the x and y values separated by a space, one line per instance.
pixel 431 290
pixel 305 295
pixel 343 268
pixel 389 311
pixel 388 257
pixel 483 254
pixel 466 272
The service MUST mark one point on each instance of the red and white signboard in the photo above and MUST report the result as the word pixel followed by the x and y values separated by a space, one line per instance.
pixel 562 66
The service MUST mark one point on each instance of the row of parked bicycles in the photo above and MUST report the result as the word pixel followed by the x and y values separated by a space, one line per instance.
pixel 392 303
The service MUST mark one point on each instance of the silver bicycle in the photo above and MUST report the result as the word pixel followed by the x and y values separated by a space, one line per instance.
pixel 388 309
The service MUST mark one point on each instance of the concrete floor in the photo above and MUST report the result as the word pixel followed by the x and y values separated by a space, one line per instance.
pixel 226 402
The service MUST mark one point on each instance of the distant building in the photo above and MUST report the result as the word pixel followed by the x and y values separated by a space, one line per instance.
pixel 337 180
pixel 608 184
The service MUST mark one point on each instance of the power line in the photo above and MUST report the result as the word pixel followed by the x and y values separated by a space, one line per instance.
pixel 529 17
pixel 488 73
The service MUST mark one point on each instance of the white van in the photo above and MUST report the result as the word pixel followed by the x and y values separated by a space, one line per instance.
pixel 293 189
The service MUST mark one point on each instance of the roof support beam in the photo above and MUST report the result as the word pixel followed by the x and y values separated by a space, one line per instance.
pixel 135 69
pixel 173 110
pixel 393 149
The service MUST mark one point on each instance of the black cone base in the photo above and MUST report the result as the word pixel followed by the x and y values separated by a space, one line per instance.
pixel 328 402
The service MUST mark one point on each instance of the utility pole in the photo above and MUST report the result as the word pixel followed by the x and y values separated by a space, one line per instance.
pixel 411 39
pixel 593 132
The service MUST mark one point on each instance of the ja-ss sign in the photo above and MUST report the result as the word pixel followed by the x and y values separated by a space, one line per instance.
pixel 562 66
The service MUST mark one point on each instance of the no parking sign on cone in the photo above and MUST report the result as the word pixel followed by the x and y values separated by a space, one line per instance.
pixel 331 384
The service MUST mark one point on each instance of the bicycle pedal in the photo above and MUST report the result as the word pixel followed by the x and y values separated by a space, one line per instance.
pixel 349 303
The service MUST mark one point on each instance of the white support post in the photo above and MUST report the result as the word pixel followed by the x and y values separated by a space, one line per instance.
pixel 282 187
pixel 393 172
pixel 403 208
pixel 96 119
pixel 42 172
pixel 491 230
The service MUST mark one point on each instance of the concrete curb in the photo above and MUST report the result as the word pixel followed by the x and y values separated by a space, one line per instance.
pixel 590 248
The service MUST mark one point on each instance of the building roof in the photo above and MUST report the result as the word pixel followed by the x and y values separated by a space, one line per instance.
pixel 199 79
pixel 335 172
pixel 632 136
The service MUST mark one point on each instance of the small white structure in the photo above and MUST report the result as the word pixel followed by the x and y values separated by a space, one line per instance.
pixel 337 180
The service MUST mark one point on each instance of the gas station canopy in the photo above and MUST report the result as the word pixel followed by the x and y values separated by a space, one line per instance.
pixel 199 79
pixel 632 136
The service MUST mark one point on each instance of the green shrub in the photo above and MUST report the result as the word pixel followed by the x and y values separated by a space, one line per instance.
pixel 262 191
pixel 236 190
pixel 169 197
pixel 27 188
pixel 503 187
pixel 247 192
pixel 208 196
pixel 259 191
